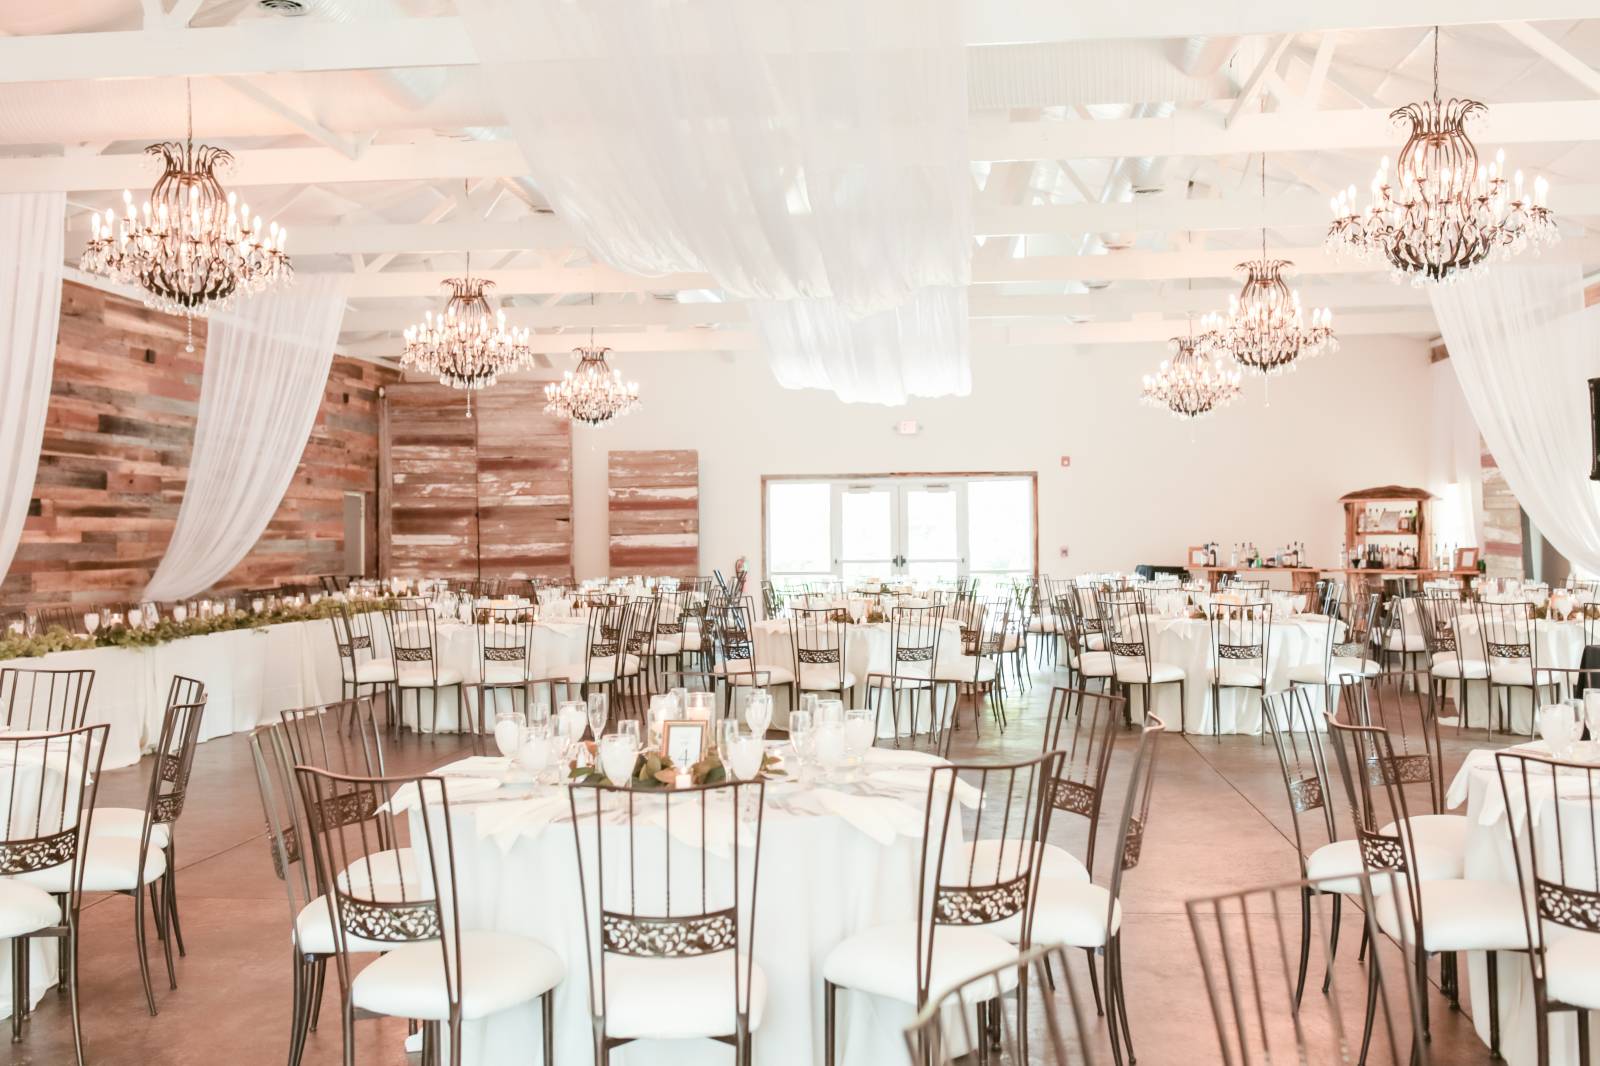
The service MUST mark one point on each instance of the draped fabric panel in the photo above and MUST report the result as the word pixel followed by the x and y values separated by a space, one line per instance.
pixel 809 152
pixel 31 228
pixel 1523 349
pixel 266 367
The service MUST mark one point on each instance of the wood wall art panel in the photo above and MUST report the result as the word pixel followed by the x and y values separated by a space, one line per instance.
pixel 654 507
pixel 488 496
pixel 119 434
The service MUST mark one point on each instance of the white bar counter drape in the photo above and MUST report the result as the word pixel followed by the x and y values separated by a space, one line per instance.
pixel 266 368
pixel 31 229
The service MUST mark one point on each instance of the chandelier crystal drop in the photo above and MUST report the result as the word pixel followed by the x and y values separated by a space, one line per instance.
pixel 467 345
pixel 1442 213
pixel 594 392
pixel 190 246
pixel 1196 381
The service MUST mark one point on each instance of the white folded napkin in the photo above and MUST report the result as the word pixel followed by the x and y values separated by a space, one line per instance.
pixel 879 817
pixel 476 766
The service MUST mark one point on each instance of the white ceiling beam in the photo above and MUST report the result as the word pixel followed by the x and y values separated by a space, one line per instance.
pixel 345 146
pixel 1258 79
pixel 1557 56
pixel 1311 93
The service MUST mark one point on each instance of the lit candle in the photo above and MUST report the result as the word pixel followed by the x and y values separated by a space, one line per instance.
pixel 683 780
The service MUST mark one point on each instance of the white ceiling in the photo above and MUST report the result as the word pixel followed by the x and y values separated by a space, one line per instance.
pixel 1114 151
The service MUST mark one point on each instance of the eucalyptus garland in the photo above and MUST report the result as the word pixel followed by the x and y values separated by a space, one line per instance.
pixel 54 639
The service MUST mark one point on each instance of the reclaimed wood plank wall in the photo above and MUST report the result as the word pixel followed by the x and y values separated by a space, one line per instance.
pixel 488 496
pixel 654 508
pixel 118 437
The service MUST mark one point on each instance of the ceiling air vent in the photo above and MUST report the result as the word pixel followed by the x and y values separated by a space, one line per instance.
pixel 282 7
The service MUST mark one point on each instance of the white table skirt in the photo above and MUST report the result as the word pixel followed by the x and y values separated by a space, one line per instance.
pixel 1559 645
pixel 532 889
pixel 1489 858
pixel 1186 643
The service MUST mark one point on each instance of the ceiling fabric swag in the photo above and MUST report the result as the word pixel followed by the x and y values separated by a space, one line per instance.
pixel 31 228
pixel 266 367
pixel 1523 349
pixel 794 152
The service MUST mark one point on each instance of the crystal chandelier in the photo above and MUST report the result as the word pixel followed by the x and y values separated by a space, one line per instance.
pixel 190 247
pixel 1197 380
pixel 1265 328
pixel 467 345
pixel 1445 213
pixel 594 392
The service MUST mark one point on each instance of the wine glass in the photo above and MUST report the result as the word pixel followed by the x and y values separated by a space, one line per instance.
pixel 618 754
pixel 597 713
pixel 808 703
pixel 509 726
pixel 758 712
pixel 180 614
pixel 91 621
pixel 539 712
pixel 829 744
pixel 728 735
pixel 1558 728
pixel 534 754
pixel 859 728
pixel 803 739
pixel 830 711
pixel 744 757
pixel 629 727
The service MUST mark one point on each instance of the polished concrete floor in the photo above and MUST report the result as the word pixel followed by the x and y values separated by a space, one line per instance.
pixel 1219 822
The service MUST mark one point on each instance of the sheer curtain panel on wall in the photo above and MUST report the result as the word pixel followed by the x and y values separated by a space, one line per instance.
pixel 812 158
pixel 266 366
pixel 1523 349
pixel 31 227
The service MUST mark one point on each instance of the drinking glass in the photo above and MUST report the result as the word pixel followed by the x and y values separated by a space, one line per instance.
pixel 829 743
pixel 509 726
pixel 701 706
pixel 728 735
pixel 859 728
pixel 535 753
pixel 574 718
pixel 808 703
pixel 803 739
pixel 180 614
pixel 1591 711
pixel 618 753
pixel 830 711
pixel 663 708
pixel 597 713
pixel 91 622
pixel 758 712
pixel 745 757
pixel 680 699
pixel 629 727
pixel 1558 727
pixel 539 711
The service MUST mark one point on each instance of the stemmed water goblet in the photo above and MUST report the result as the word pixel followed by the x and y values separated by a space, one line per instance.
pixel 803 739
pixel 597 709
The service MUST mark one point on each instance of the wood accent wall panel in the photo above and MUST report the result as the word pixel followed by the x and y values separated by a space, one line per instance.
pixel 654 507
pixel 488 496
pixel 119 435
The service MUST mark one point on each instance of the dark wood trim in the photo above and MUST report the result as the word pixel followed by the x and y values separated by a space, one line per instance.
pixel 383 484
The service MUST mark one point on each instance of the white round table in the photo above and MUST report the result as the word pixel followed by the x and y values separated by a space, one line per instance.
pixel 524 880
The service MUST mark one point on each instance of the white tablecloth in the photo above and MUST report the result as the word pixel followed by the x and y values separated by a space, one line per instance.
pixel 1559 644
pixel 1489 858
pixel 529 885
pixel 1186 643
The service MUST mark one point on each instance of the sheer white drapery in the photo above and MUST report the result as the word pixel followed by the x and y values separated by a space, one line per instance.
pixel 1523 349
pixel 31 228
pixel 266 368
pixel 810 152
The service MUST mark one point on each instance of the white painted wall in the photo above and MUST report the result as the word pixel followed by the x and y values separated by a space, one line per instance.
pixel 1141 486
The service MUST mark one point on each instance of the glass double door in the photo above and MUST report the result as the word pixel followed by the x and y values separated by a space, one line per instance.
pixel 899 528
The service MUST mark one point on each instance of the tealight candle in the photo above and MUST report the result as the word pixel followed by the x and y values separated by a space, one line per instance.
pixel 683 780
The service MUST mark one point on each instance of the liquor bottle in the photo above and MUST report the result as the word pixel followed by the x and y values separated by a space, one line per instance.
pixel 1233 559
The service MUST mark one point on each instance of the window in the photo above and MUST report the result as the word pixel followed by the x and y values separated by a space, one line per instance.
pixel 924 530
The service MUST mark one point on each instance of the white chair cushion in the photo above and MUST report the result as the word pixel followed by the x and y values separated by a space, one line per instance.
pixel 503 673
pixel 671 644
pixel 1514 672
pixel 110 864
pixel 1336 867
pixel 1132 671
pixel 1313 673
pixel 1040 626
pixel 819 677
pixel 418 675
pixel 601 671
pixel 498 971
pixel 1095 664
pixel 1457 669
pixel 1572 967
pixel 1460 915
pixel 743 673
pixel 691 641
pixel 375 672
pixel 25 909
pixel 1243 673
pixel 381 868
pixel 314 928
pixel 1406 642
pixel 1095 641
pixel 128 823
pixel 1074 913
pixel 670 999
pixel 882 961
pixel 964 668
pixel 1011 642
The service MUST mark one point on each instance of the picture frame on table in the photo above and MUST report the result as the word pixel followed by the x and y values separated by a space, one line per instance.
pixel 1199 556
pixel 1466 558
pixel 684 741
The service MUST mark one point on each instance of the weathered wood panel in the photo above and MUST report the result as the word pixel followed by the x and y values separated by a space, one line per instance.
pixel 119 434
pixel 654 506
pixel 488 496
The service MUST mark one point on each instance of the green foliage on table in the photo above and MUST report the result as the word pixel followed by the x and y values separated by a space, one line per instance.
pixel 13 646
pixel 653 769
